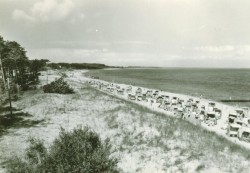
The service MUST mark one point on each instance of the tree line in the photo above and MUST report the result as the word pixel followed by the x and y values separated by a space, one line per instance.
pixel 15 67
pixel 17 70
pixel 77 66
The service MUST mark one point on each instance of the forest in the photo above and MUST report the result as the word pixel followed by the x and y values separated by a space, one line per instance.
pixel 19 73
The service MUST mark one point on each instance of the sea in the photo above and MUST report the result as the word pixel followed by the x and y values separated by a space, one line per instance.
pixel 230 86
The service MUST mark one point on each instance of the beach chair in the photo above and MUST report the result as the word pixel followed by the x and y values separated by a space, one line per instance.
pixel 175 98
pixel 194 106
pixel 238 121
pixel 203 107
pixel 246 111
pixel 139 98
pixel 159 99
pixel 233 129
pixel 197 115
pixel 161 105
pixel 174 102
pixel 167 105
pixel 181 103
pixel 217 113
pixel 112 90
pixel 132 97
pixel 174 109
pixel 231 117
pixel 244 134
pixel 129 89
pixel 148 91
pixel 211 106
pixel 129 96
pixel 179 113
pixel 188 108
pixel 240 113
pixel 166 98
pixel 144 97
pixel 193 115
pixel 211 119
pixel 155 95
pixel 138 91
pixel 120 91
pixel 202 116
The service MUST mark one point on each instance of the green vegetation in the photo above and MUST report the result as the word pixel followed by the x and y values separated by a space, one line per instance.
pixel 36 66
pixel 78 151
pixel 138 135
pixel 16 67
pixel 58 86
pixel 180 142
pixel 77 66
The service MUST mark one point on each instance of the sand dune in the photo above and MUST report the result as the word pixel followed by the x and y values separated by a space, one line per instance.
pixel 143 140
pixel 220 128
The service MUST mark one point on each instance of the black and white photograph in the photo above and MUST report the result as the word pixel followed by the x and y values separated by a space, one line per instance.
pixel 124 86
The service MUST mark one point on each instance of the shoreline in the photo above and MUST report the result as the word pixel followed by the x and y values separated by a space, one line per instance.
pixel 142 138
pixel 219 129
pixel 217 84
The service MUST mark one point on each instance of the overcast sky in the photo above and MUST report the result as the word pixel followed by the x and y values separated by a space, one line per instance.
pixel 171 33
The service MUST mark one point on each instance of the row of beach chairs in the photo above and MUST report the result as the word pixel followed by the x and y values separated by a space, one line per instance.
pixel 191 109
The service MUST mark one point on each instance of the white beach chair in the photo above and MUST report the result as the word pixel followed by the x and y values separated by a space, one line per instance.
pixel 244 134
pixel 233 129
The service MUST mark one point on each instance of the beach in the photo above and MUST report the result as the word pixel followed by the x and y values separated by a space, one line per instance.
pixel 124 86
pixel 221 126
pixel 218 84
pixel 144 137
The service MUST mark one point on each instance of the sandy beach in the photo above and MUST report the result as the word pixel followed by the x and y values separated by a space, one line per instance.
pixel 139 132
pixel 124 86
pixel 220 128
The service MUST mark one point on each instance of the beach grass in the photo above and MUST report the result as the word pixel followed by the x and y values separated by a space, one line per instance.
pixel 142 140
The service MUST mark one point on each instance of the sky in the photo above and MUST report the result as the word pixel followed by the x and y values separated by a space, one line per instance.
pixel 163 33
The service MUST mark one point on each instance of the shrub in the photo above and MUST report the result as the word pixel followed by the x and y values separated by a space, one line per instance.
pixel 58 86
pixel 63 75
pixel 80 151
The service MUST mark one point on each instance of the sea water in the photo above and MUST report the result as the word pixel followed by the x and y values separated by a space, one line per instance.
pixel 214 84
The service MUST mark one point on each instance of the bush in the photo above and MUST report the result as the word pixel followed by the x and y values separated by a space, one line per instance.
pixel 58 86
pixel 80 151
pixel 63 74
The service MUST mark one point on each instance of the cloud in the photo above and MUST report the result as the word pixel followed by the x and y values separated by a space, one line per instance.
pixel 236 51
pixel 77 18
pixel 21 15
pixel 245 48
pixel 46 10
pixel 201 27
pixel 215 48
pixel 144 32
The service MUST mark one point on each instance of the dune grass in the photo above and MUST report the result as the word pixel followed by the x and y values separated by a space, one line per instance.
pixel 142 139
pixel 177 139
